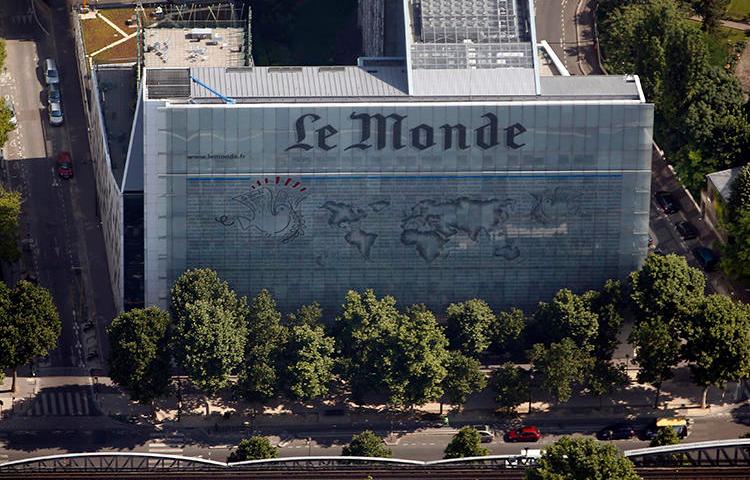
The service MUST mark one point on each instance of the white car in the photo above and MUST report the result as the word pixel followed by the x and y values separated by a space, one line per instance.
pixel 55 114
pixel 9 105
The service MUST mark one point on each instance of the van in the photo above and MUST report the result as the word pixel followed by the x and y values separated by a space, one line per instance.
pixel 51 75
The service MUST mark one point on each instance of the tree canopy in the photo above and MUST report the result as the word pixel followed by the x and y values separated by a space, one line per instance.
pixel 309 361
pixel 582 459
pixel 10 211
pixel 507 329
pixel 209 328
pixel 264 345
pixel 666 287
pixel 466 443
pixel 560 366
pixel 469 326
pixel 665 436
pixel 567 316
pixel 718 342
pixel 139 357
pixel 29 324
pixel 657 352
pixel 253 448
pixel 415 354
pixel 511 386
pixel 463 378
pixel 366 444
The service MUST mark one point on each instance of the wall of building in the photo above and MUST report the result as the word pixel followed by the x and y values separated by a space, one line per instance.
pixel 306 202
pixel 108 197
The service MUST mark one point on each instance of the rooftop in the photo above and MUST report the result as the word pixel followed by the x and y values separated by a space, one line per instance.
pixel 180 47
pixel 723 180
pixel 357 84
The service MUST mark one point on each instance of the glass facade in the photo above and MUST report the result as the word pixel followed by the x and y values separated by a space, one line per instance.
pixel 432 203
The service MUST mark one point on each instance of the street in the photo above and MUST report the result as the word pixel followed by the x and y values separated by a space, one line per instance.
pixel 60 234
pixel 427 444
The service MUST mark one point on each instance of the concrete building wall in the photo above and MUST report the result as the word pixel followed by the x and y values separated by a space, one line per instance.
pixel 304 201
pixel 109 201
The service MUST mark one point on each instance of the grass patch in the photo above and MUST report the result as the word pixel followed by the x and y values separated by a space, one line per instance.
pixel 97 34
pixel 722 45
pixel 738 9
pixel 119 15
pixel 122 53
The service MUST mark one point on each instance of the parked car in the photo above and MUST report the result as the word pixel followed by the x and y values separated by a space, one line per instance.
pixel 679 424
pixel 53 94
pixel 617 431
pixel 485 433
pixel 667 203
pixel 686 230
pixel 51 75
pixel 55 114
pixel 9 106
pixel 64 165
pixel 707 258
pixel 528 433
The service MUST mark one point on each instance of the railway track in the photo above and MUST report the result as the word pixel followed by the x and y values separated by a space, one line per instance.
pixel 405 473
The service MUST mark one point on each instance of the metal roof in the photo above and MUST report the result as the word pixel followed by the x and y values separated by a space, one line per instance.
pixel 590 86
pixel 470 82
pixel 300 82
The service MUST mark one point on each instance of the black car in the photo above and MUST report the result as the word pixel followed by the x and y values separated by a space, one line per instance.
pixel 686 230
pixel 707 258
pixel 667 203
pixel 618 431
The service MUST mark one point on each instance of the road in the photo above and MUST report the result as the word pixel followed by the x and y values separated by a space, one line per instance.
pixel 62 242
pixel 567 25
pixel 426 444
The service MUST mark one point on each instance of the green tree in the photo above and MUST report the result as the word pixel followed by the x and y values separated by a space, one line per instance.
pixel 606 377
pixel 506 330
pixel 666 287
pixel 6 126
pixel 10 211
pixel 582 459
pixel 466 443
pixel 366 444
pixel 718 343
pixel 463 378
pixel 607 304
pixel 469 326
pixel 739 198
pixel 567 316
pixel 266 337
pixel 560 366
pixel 712 12
pixel 139 354
pixel 209 328
pixel 415 354
pixel 3 53
pixel 511 386
pixel 657 352
pixel 29 325
pixel 360 331
pixel 253 448
pixel 665 436
pixel 735 258
pixel 309 362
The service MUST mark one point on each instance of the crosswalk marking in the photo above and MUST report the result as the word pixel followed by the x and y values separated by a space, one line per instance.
pixel 75 402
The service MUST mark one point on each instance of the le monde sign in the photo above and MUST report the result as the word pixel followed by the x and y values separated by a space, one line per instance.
pixel 389 131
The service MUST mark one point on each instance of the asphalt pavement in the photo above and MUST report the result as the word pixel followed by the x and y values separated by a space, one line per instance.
pixel 61 237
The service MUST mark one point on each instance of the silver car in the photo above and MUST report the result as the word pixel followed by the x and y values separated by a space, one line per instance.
pixel 55 114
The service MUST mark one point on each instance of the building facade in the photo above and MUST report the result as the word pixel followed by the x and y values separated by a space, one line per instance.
pixel 434 181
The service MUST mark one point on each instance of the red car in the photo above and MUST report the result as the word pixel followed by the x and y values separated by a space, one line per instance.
pixel 64 165
pixel 524 434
